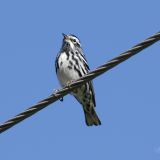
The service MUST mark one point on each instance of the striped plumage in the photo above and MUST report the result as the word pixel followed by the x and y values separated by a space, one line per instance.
pixel 71 64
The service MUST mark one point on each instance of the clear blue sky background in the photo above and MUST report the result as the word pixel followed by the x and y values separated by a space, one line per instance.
pixel 127 96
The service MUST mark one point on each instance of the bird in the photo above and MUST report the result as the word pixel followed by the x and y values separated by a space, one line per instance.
pixel 70 65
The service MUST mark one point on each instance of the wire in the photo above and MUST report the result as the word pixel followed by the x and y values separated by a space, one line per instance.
pixel 88 77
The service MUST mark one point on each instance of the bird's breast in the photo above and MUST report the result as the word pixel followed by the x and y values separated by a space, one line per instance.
pixel 66 71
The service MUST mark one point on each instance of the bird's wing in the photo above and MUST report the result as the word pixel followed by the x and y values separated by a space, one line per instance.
pixel 86 69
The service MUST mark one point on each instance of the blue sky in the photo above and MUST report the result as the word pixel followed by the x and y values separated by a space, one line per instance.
pixel 127 96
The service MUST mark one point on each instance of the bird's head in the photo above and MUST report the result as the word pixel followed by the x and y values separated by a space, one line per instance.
pixel 70 41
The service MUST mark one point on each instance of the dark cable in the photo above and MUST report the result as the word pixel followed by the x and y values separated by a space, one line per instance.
pixel 90 76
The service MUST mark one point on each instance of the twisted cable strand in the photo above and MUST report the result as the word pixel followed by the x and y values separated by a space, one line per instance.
pixel 90 76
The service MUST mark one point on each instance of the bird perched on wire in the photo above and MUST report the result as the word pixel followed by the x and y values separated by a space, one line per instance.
pixel 71 64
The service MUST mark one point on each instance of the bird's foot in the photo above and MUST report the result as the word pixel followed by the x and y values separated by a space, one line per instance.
pixel 55 91
pixel 69 83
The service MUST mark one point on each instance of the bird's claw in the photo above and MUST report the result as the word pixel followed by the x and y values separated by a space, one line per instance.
pixel 69 83
pixel 61 98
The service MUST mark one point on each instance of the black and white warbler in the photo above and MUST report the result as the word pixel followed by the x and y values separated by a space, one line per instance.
pixel 71 64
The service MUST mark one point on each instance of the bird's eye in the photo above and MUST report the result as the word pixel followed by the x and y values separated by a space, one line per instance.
pixel 74 40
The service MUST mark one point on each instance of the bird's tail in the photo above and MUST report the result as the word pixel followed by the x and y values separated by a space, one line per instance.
pixel 91 118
